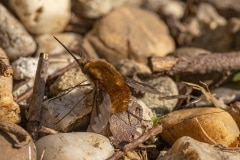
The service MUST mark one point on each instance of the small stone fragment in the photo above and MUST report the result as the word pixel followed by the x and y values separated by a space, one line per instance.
pixel 13 37
pixel 24 68
pixel 167 87
pixel 122 34
pixel 189 149
pixel 209 125
pixel 40 17
pixel 74 146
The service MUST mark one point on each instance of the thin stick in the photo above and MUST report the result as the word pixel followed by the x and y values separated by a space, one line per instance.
pixel 37 96
pixel 135 143
pixel 201 64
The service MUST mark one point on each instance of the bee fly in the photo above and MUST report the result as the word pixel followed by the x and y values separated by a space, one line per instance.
pixel 112 93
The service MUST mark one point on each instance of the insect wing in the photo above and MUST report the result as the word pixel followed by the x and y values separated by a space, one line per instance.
pixel 101 113
pixel 141 86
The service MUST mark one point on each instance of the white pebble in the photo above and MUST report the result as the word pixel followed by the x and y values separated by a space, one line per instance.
pixel 24 68
pixel 43 16
pixel 74 146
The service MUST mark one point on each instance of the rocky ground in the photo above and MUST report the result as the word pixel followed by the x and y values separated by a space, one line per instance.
pixel 155 79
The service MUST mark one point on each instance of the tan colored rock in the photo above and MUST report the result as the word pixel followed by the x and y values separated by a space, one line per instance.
pixel 5 80
pixel 129 32
pixel 189 149
pixel 13 36
pixel 98 8
pixel 209 125
pixel 44 16
pixel 69 79
pixel 9 110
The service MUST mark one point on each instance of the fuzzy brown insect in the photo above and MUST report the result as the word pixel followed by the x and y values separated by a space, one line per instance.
pixel 112 94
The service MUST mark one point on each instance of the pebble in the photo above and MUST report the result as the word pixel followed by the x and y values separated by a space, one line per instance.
pixel 13 36
pixel 173 8
pixel 122 34
pixel 167 87
pixel 44 16
pixel 188 148
pixel 209 125
pixel 24 68
pixel 98 8
pixel 74 146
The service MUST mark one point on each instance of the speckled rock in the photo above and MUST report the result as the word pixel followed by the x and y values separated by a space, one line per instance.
pixel 122 34
pixel 69 79
pixel 24 68
pixel 44 16
pixel 167 87
pixel 74 146
pixel 14 39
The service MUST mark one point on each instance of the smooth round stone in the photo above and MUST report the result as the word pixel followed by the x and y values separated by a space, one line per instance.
pixel 43 16
pixel 74 146
pixel 15 40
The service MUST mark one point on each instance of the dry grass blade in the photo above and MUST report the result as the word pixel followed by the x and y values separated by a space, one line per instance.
pixel 206 92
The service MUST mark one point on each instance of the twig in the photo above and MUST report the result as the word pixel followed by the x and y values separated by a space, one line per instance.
pixel 197 64
pixel 37 96
pixel 25 95
pixel 135 143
